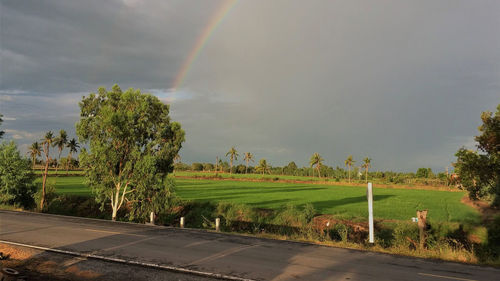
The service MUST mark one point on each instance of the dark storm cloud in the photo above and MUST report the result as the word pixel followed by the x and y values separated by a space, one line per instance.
pixel 402 82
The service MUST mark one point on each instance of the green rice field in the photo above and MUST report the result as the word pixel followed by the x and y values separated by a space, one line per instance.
pixel 343 201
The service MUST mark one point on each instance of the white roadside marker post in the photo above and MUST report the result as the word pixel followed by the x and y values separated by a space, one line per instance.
pixel 182 222
pixel 217 224
pixel 369 194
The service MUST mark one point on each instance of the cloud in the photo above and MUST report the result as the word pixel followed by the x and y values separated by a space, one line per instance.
pixel 19 135
pixel 401 82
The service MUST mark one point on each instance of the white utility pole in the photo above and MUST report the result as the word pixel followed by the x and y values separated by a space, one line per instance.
pixel 369 194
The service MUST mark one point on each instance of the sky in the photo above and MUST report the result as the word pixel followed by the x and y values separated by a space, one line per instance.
pixel 401 82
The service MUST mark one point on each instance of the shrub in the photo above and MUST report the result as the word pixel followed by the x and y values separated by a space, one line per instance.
pixel 403 232
pixel 309 212
pixel 16 178
pixel 50 192
pixel 199 214
pixel 197 167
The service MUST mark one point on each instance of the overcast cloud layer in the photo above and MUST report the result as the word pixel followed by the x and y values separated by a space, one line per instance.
pixel 402 82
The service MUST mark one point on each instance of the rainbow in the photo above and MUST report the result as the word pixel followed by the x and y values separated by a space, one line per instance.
pixel 209 29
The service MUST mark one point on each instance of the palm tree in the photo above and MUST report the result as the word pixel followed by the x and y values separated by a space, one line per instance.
pixel 73 147
pixel 248 158
pixel 316 160
pixel 263 167
pixel 348 162
pixel 60 142
pixel 47 143
pixel 220 164
pixel 233 155
pixel 366 165
pixel 34 151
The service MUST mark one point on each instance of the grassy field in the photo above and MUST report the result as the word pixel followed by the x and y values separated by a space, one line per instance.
pixel 245 176
pixel 344 201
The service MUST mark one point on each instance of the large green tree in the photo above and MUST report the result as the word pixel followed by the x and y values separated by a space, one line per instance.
pixel 233 155
pixel 132 144
pixel 316 160
pixel 16 177
pixel 479 171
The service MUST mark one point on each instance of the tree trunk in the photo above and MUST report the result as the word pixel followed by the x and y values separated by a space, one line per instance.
pixel 366 175
pixel 58 159
pixel 113 216
pixel 231 168
pixel 68 162
pixel 349 168
pixel 45 174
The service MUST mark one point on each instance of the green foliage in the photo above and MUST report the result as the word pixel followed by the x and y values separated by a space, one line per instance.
pixel 154 195
pixel 197 167
pixel 290 169
pixel 16 177
pixel 339 232
pixel 480 173
pixel 493 243
pixel 262 167
pixel 1 121
pixel 404 232
pixel 424 173
pixel 208 167
pixel 74 205
pixel 50 192
pixel 132 145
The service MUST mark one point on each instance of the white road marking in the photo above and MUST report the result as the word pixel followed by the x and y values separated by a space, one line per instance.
pixel 114 232
pixel 445 277
pixel 223 254
pixel 129 244
pixel 199 243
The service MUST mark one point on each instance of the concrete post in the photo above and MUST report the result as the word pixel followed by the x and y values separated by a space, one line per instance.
pixel 422 223
pixel 217 224
pixel 182 222
pixel 152 218
pixel 369 194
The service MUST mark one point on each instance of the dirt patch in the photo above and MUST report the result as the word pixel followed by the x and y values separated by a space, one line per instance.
pixel 37 265
pixel 16 253
pixel 487 212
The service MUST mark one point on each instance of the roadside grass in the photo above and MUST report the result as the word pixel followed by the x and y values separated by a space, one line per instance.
pixel 346 202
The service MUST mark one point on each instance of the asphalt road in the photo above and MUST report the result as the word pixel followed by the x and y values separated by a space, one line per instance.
pixel 232 255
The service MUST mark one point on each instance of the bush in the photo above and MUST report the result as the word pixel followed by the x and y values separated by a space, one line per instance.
pixel 340 232
pixel 403 232
pixel 50 192
pixel 309 212
pixel 16 178
pixel 234 216
pixel 197 167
